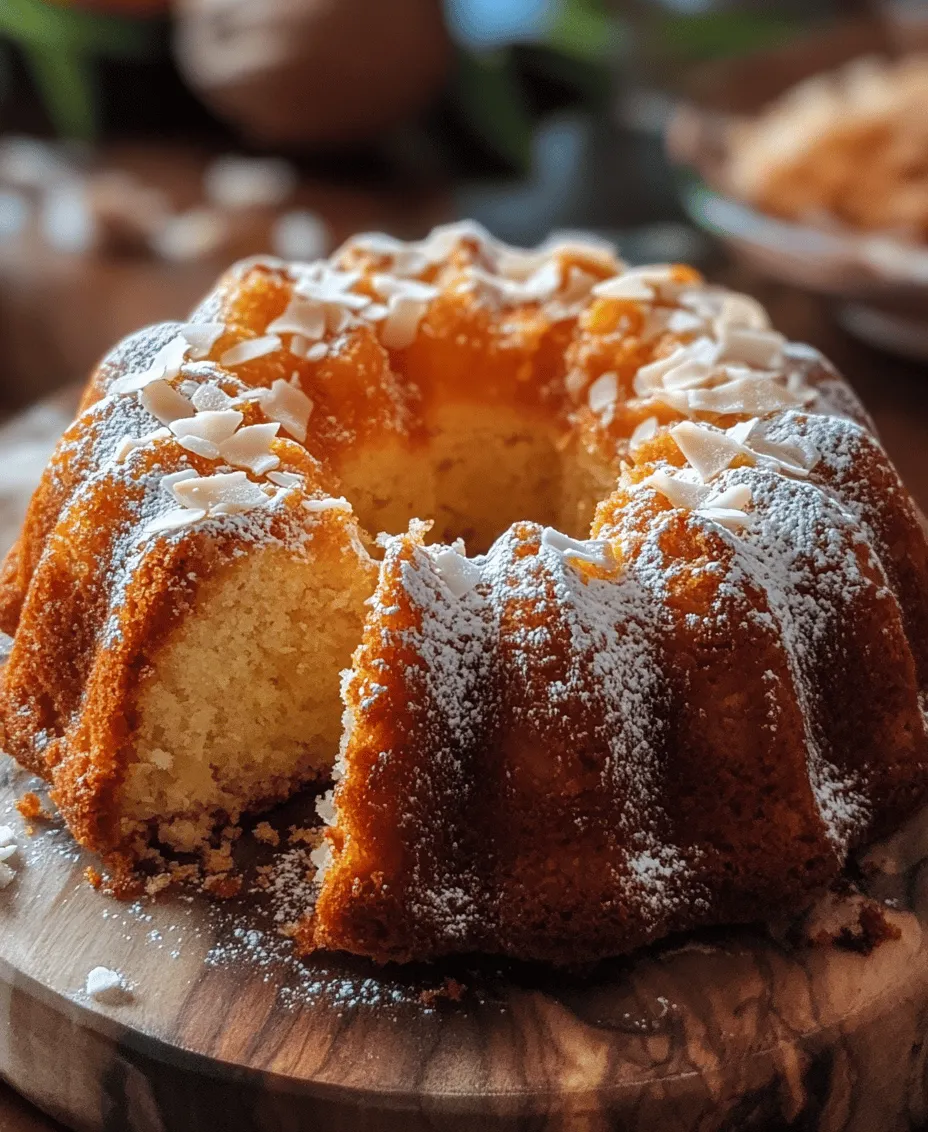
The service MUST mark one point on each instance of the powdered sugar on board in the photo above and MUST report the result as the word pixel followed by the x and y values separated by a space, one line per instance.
pixel 157 946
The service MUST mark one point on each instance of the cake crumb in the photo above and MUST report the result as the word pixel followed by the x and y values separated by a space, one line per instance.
pixel 31 808
pixel 298 835
pixel 218 860
pixel 222 885
pixel 183 873
pixel 157 883
pixel 450 991
pixel 265 832
pixel 93 876
pixel 873 928
pixel 107 986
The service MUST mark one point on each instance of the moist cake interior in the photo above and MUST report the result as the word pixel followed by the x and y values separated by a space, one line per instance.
pixel 241 704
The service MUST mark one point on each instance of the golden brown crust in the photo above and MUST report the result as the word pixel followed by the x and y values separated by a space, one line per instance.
pixel 569 757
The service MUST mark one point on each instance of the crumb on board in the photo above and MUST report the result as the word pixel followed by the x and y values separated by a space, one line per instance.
pixel 222 885
pixel 107 986
pixel 266 833
pixel 450 991
pixel 218 860
pixel 93 876
pixel 181 874
pixel 31 808
pixel 298 835
pixel 158 883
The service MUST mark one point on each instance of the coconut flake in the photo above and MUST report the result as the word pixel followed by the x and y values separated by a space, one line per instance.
pixel 459 573
pixel 300 234
pixel 709 451
pixel 201 337
pixel 727 508
pixel 250 448
pixel 303 317
pixel 738 310
pixel 199 446
pixel 209 397
pixel 329 503
pixel 603 393
pixel 285 403
pixel 107 986
pixel 285 479
pixel 232 492
pixel 597 552
pixel 213 425
pixel 401 325
pixel 165 364
pixel 250 349
pixel 752 393
pixel 760 349
pixel 236 182
pixel 164 402
pixel 130 443
pixel 192 235
pixel 738 496
pixel 167 482
pixel 174 520
pixel 679 492
pixel 644 431
pixel 629 288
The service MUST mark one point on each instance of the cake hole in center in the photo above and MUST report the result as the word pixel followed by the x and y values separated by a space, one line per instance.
pixel 481 469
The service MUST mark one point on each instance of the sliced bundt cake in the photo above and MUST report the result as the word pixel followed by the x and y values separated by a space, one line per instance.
pixel 680 680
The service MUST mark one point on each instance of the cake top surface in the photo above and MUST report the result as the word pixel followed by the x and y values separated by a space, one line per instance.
pixel 231 422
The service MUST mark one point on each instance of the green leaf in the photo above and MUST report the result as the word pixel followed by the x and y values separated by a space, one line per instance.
pixel 489 95
pixel 52 27
pixel 714 34
pixel 66 85
pixel 583 30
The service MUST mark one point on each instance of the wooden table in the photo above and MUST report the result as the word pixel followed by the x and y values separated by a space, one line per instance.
pixel 894 391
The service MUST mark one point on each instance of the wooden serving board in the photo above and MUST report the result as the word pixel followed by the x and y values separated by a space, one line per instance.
pixel 227 1030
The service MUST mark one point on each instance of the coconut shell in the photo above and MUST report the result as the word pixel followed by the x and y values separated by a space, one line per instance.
pixel 313 72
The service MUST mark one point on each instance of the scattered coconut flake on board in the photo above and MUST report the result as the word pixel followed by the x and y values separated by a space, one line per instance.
pixel 300 234
pixel 237 182
pixel 107 986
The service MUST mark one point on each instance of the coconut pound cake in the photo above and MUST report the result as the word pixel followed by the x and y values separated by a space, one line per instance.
pixel 597 600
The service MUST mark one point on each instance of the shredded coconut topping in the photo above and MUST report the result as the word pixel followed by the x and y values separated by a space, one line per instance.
pixel 285 403
pixel 250 349
pixel 459 573
pixel 164 402
pixel 726 508
pixel 595 551
pixel 329 503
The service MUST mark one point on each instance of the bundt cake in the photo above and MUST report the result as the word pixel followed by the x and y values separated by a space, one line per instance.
pixel 678 677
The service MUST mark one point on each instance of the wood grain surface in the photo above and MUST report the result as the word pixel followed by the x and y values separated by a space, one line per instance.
pixel 225 1029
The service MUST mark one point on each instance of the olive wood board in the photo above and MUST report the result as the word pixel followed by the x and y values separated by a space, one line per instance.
pixel 226 1029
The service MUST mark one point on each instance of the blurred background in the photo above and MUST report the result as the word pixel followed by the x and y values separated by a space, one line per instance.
pixel 145 144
